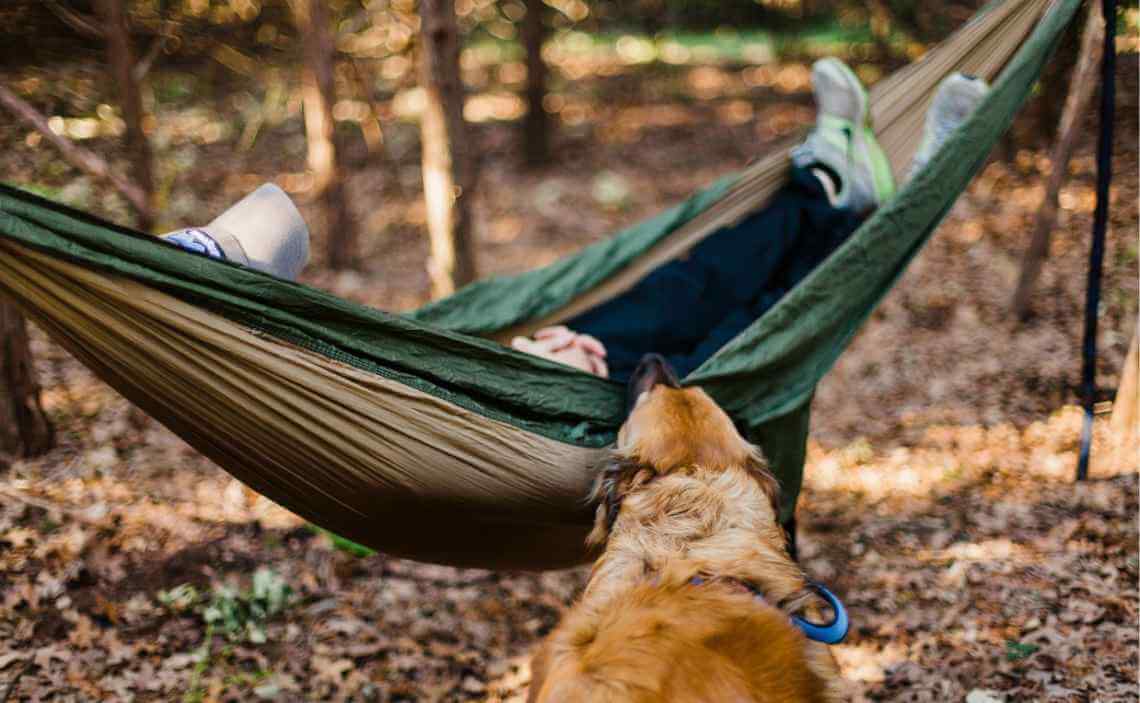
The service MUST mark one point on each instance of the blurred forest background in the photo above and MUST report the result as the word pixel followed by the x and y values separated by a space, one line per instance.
pixel 939 499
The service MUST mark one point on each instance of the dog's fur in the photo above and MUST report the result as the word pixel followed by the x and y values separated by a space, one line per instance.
pixel 686 496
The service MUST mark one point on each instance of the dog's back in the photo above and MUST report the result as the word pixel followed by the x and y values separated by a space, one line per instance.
pixel 679 642
pixel 687 512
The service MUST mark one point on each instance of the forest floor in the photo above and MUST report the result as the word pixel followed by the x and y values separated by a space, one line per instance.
pixel 939 500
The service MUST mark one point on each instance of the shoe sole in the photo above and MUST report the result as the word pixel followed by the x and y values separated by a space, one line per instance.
pixel 865 148
pixel 848 77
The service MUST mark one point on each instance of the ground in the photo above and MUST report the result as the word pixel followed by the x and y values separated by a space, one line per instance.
pixel 939 500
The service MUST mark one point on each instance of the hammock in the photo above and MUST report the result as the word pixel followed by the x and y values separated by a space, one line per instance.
pixel 421 435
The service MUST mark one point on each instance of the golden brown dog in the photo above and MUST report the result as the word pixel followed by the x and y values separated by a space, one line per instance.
pixel 687 513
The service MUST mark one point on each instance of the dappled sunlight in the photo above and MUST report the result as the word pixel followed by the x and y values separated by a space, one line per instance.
pixel 949 456
pixel 866 662
pixel 485 107
pixel 938 500
pixel 786 78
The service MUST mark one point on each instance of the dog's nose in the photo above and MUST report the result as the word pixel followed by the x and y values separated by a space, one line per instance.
pixel 653 370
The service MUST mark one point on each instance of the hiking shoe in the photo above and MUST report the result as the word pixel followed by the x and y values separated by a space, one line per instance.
pixel 957 97
pixel 842 143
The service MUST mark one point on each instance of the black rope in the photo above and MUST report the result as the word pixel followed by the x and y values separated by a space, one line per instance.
pixel 1100 226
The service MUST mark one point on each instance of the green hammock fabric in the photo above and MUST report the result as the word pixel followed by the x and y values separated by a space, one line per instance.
pixel 764 378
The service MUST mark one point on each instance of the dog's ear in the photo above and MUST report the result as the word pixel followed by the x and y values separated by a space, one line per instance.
pixel 757 466
pixel 619 475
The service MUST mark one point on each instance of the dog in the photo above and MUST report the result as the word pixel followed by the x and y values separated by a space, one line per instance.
pixel 690 599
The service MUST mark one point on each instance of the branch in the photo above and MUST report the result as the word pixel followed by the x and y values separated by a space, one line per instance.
pixel 86 26
pixel 1082 86
pixel 89 27
pixel 143 66
pixel 83 159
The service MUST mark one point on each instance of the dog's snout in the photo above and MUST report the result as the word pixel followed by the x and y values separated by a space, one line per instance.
pixel 653 370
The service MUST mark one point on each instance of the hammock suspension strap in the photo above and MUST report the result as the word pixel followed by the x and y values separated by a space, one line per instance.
pixel 1100 227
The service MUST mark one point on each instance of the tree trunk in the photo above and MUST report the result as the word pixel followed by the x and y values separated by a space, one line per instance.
pixel 320 128
pixel 24 428
pixel 122 65
pixel 1081 89
pixel 1126 406
pixel 448 157
pixel 536 128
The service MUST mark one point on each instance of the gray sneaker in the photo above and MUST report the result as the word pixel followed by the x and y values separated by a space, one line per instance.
pixel 957 97
pixel 842 143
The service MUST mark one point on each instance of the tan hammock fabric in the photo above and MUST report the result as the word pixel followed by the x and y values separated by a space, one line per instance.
pixel 368 457
pixel 898 110
pixel 332 443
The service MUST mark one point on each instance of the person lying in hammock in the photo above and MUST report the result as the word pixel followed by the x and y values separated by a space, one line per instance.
pixel 689 308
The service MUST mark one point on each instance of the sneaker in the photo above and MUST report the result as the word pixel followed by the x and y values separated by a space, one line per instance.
pixel 263 231
pixel 957 97
pixel 842 143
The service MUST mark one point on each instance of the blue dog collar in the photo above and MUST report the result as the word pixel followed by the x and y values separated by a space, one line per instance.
pixel 833 632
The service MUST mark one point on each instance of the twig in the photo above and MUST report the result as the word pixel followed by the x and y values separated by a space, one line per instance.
pixel 76 20
pixel 88 26
pixel 147 61
pixel 49 506
pixel 77 156
pixel 16 680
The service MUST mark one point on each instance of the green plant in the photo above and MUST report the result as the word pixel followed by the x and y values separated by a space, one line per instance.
pixel 343 544
pixel 235 613
pixel 180 598
pixel 1016 651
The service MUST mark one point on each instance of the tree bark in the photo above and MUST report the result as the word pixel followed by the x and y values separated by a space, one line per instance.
pixel 24 428
pixel 84 160
pixel 1126 406
pixel 448 158
pixel 536 128
pixel 320 128
pixel 1081 89
pixel 122 65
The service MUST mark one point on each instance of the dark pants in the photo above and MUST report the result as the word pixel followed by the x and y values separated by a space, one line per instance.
pixel 688 309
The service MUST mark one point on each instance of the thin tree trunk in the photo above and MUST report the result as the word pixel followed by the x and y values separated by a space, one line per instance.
pixel 448 158
pixel 1126 406
pixel 84 160
pixel 536 128
pixel 1081 89
pixel 24 428
pixel 122 65
pixel 320 128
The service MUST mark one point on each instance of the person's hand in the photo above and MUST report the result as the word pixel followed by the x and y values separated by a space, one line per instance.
pixel 566 346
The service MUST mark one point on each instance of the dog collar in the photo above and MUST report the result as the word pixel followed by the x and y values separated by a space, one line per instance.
pixel 833 632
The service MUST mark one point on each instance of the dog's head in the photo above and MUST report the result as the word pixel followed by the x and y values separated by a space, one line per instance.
pixel 670 428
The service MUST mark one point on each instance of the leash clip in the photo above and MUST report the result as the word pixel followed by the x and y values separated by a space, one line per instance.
pixel 833 632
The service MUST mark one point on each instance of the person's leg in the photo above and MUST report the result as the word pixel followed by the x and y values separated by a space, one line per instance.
pixel 842 144
pixel 808 226
pixel 822 226
pixel 957 97
pixel 686 307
